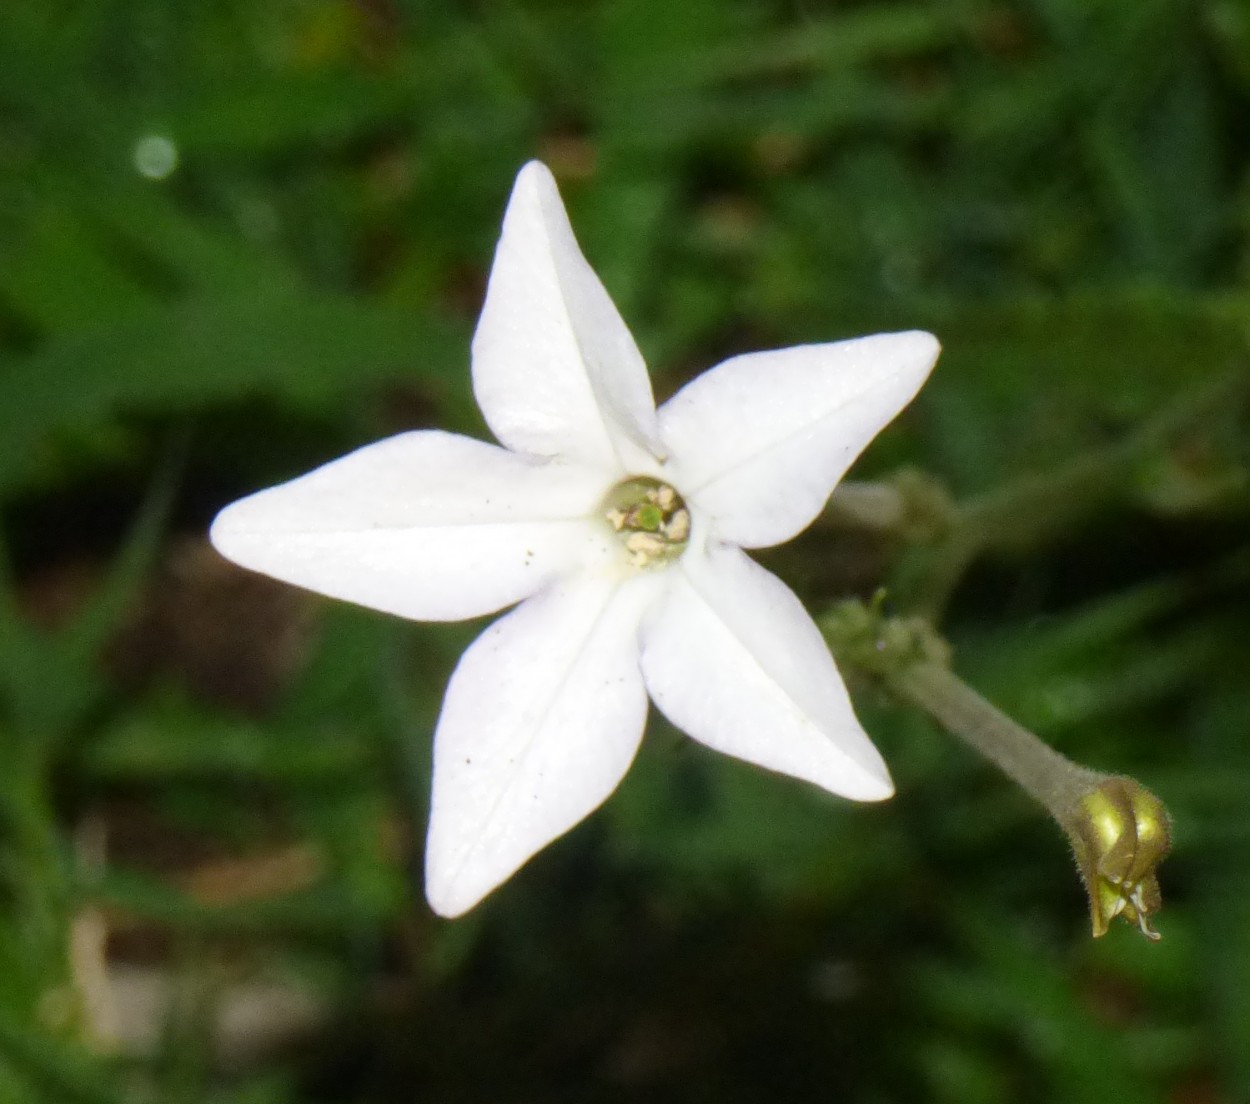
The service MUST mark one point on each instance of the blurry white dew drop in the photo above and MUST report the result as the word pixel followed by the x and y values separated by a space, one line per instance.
pixel 155 156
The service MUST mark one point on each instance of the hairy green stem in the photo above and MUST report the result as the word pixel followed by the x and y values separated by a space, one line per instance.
pixel 1045 774
pixel 1119 831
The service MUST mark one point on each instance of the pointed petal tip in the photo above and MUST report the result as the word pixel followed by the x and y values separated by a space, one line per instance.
pixel 452 888
pixel 223 529
pixel 537 178
pixel 862 774
pixel 927 342
pixel 876 787
pixel 449 903
pixel 918 346
pixel 534 170
pixel 216 530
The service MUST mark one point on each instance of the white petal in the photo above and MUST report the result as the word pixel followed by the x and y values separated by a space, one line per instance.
pixel 730 656
pixel 555 369
pixel 759 442
pixel 429 525
pixel 541 720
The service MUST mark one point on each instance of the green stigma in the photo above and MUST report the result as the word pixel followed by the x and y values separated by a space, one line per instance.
pixel 650 518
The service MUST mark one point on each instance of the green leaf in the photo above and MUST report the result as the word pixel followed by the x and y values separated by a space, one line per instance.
pixel 1027 384
pixel 168 739
pixel 305 349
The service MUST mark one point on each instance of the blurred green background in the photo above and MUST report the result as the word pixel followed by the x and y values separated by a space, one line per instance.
pixel 237 239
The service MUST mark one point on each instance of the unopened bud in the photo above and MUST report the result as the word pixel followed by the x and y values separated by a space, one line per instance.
pixel 1121 833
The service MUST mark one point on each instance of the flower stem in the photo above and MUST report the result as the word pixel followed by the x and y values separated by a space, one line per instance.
pixel 1119 831
pixel 1042 772
pixel 910 505
pixel 947 536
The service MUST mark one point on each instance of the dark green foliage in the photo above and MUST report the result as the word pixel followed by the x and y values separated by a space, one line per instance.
pixel 232 782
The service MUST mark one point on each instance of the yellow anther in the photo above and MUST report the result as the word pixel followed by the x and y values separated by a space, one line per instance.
pixel 650 518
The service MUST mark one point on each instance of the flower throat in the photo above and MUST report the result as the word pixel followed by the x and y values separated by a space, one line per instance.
pixel 650 518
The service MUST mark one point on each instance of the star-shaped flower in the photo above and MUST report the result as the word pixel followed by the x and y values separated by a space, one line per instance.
pixel 619 529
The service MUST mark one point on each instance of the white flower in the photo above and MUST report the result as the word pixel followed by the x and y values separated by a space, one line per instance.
pixel 619 529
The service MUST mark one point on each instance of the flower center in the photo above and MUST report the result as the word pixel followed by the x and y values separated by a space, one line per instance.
pixel 650 518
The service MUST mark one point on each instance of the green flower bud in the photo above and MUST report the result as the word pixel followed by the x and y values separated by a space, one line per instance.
pixel 1121 833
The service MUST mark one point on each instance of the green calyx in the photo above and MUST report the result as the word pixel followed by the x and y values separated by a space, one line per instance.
pixel 1121 833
